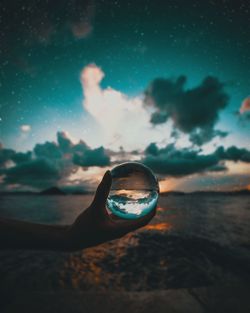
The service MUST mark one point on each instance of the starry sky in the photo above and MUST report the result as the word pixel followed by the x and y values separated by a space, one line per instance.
pixel 85 85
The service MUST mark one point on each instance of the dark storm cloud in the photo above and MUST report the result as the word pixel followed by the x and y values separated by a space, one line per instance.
pixel 48 150
pixel 65 144
pixel 49 162
pixel 234 154
pixel 218 168
pixel 21 157
pixel 173 162
pixel 95 157
pixel 80 147
pixel 201 136
pixel 80 154
pixel 193 111
pixel 7 155
pixel 36 173
pixel 52 163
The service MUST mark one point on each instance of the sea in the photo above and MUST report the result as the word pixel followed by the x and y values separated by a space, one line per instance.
pixel 194 240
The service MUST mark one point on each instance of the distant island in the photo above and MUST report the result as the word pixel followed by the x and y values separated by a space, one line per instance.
pixel 61 191
pixel 240 192
pixel 64 191
pixel 53 191
pixel 47 192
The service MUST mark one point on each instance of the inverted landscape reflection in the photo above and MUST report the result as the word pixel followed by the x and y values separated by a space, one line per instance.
pixel 131 204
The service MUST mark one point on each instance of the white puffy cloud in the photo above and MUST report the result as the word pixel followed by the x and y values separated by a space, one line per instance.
pixel 25 128
pixel 124 120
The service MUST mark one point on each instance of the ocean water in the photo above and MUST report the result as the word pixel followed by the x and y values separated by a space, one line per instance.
pixel 49 209
pixel 192 241
pixel 223 219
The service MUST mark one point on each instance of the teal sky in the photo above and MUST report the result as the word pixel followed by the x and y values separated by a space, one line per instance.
pixel 45 47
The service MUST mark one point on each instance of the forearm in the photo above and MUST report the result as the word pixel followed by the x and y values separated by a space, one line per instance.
pixel 24 235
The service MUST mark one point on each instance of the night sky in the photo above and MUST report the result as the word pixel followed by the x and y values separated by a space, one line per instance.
pixel 85 85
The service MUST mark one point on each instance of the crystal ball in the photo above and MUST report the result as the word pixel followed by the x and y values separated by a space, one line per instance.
pixel 134 191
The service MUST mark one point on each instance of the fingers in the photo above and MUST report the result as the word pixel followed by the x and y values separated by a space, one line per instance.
pixel 102 192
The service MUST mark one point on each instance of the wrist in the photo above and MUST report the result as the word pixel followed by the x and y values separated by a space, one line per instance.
pixel 71 240
pixel 65 239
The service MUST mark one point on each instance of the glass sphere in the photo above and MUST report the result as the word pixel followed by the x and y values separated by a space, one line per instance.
pixel 134 191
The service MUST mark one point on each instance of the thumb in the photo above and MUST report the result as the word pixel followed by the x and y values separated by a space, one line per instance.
pixel 102 192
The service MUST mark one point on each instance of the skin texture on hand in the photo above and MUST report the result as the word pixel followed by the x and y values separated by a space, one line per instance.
pixel 95 226
pixel 92 227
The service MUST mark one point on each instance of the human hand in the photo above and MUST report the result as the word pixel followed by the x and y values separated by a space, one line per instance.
pixel 94 226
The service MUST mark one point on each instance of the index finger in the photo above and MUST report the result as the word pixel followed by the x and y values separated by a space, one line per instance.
pixel 101 195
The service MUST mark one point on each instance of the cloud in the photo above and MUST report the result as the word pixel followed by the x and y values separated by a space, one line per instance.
pixel 36 173
pixel 21 157
pixel 124 119
pixel 244 112
pixel 8 155
pixel 5 155
pixel 48 150
pixel 181 162
pixel 95 157
pixel 64 142
pixel 234 154
pixel 174 162
pixel 80 147
pixel 245 106
pixel 25 128
pixel 80 153
pixel 49 163
pixel 120 118
pixel 193 111
pixel 201 136
pixel 64 163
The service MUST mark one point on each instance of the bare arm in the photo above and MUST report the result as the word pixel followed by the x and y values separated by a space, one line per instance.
pixel 92 227
pixel 15 234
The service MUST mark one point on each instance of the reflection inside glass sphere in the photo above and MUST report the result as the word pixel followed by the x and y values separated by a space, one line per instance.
pixel 134 191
